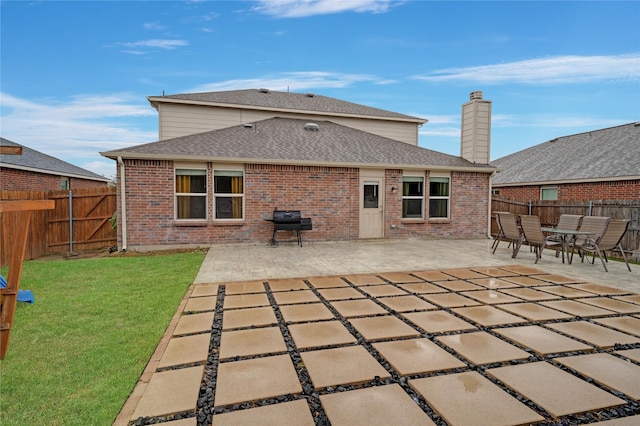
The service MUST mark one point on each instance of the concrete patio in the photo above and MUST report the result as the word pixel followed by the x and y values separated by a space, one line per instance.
pixel 396 332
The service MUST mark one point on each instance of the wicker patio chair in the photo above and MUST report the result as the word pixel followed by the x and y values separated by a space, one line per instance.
pixel 510 231
pixel 610 240
pixel 534 236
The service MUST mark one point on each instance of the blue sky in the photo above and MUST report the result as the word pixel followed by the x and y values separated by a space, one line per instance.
pixel 75 75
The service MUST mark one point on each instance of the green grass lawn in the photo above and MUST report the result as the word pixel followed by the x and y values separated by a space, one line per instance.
pixel 77 352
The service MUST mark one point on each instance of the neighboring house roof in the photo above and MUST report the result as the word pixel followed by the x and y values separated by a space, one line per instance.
pixel 286 141
pixel 600 155
pixel 35 161
pixel 263 99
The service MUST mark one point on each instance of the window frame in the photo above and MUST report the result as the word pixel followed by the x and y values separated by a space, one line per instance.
pixel 433 178
pixel 413 177
pixel 232 170
pixel 543 189
pixel 201 170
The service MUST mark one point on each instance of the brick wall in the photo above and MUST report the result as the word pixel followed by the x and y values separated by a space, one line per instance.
pixel 328 195
pixel 24 180
pixel 585 191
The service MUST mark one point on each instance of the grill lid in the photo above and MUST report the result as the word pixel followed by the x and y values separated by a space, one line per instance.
pixel 286 216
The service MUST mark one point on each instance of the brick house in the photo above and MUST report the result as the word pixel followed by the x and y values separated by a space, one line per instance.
pixel 35 171
pixel 226 160
pixel 598 165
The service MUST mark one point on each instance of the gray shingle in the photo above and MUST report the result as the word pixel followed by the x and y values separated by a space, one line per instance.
pixel 286 141
pixel 599 154
pixel 287 101
pixel 44 163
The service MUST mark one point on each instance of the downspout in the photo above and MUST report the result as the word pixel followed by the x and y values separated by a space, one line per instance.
pixel 123 205
pixel 490 204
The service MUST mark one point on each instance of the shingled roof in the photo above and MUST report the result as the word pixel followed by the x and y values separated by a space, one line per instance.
pixel 290 141
pixel 284 101
pixel 36 161
pixel 606 154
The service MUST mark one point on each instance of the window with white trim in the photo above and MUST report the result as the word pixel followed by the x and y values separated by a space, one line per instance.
pixel 228 194
pixel 191 194
pixel 412 197
pixel 549 193
pixel 439 197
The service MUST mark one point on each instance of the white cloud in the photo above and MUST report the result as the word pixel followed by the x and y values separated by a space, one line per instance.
pixel 156 43
pixel 153 26
pixel 304 8
pixel 551 70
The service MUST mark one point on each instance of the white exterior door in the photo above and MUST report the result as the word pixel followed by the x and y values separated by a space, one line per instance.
pixel 371 203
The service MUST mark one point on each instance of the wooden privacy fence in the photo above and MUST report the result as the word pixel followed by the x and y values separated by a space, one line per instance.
pixel 550 211
pixel 79 222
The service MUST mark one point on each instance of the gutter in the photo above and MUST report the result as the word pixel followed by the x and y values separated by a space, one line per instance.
pixel 490 205
pixel 123 204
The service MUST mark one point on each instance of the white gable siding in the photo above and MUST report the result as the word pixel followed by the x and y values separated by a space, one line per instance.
pixel 181 120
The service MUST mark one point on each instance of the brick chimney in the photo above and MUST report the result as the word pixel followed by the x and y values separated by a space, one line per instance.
pixel 475 134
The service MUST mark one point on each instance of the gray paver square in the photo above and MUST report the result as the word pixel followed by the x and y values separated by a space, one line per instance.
pixel 595 334
pixel 417 356
pixel 382 290
pixel 548 386
pixel 248 317
pixel 602 290
pixel 327 282
pixel 200 290
pixel 287 284
pixel 353 364
pixel 488 315
pixel 623 421
pixel 534 312
pixel 421 288
pixel 306 312
pixel 400 277
pixel 378 405
pixel 406 303
pixel 521 269
pixel 541 340
pixel 383 327
pixel 576 308
pixel 459 285
pixel 450 300
pixel 563 291
pixel 493 272
pixel 291 297
pixel 244 287
pixel 529 294
pixel 341 293
pixel 612 305
pixel 199 304
pixel 633 354
pixel 558 279
pixel 438 321
pixel 291 413
pixel 526 281
pixel 356 308
pixel 254 379
pixel 320 334
pixel 470 399
pixel 626 324
pixel 463 273
pixel 245 301
pixel 186 350
pixel 432 275
pixel 607 370
pixel 191 421
pixel 482 348
pixel 634 298
pixel 170 392
pixel 251 342
pixel 494 283
pixel 194 323
pixel 491 297
pixel 364 279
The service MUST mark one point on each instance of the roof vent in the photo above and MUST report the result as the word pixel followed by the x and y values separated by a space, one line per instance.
pixel 310 95
pixel 475 95
pixel 312 127
pixel 263 90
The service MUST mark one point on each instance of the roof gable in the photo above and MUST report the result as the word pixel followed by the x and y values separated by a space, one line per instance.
pixel 267 99
pixel 603 154
pixel 36 161
pixel 286 141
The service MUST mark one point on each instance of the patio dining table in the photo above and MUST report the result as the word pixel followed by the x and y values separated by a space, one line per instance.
pixel 564 234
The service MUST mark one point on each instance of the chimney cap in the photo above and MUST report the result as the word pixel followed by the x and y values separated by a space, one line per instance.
pixel 475 95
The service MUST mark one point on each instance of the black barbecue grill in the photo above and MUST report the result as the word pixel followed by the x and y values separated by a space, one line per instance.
pixel 289 220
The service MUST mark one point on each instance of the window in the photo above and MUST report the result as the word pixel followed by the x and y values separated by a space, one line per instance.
pixel 412 197
pixel 438 197
pixel 228 192
pixel 64 184
pixel 191 194
pixel 550 193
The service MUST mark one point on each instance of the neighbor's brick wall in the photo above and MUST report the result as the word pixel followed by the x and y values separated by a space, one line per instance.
pixel 328 195
pixel 24 180
pixel 617 190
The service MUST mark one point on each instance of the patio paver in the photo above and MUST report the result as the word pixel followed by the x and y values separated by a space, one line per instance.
pixel 194 323
pixel 251 342
pixel 186 350
pixel 415 356
pixel 595 334
pixel 541 340
pixel 323 333
pixel 482 348
pixel 293 412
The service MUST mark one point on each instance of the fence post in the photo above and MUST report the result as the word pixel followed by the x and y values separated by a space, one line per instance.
pixel 70 221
